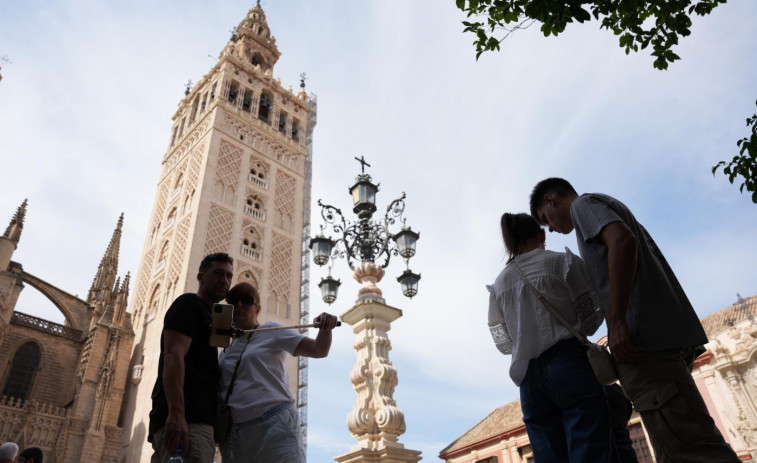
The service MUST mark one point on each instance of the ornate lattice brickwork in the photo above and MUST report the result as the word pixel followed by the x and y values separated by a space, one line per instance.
pixel 144 276
pixel 195 163
pixel 281 264
pixel 179 248
pixel 191 137
pixel 284 199
pixel 229 164
pixel 243 131
pixel 220 223
pixel 160 202
pixel 240 130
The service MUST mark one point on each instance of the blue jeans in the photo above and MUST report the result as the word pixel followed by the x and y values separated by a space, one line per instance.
pixel 564 408
pixel 273 437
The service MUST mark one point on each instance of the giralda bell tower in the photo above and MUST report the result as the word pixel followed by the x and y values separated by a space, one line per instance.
pixel 235 179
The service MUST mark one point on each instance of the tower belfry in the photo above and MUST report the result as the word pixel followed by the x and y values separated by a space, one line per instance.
pixel 235 179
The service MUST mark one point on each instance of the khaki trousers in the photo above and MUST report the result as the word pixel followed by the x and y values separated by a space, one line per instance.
pixel 202 449
pixel 672 409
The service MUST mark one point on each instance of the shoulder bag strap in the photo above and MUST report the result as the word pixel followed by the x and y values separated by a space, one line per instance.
pixel 552 308
pixel 236 369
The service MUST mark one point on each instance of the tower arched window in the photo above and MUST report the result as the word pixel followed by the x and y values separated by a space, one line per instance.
pixel 266 103
pixel 295 129
pixel 153 305
pixel 247 100
pixel 258 174
pixel 171 218
pixel 23 369
pixel 233 92
pixel 179 178
pixel 251 243
pixel 283 122
pixel 255 206
pixel 257 60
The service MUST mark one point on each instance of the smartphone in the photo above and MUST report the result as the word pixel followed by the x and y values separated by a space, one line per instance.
pixel 221 321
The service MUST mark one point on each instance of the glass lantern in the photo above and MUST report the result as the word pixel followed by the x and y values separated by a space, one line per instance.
pixel 364 196
pixel 329 288
pixel 321 247
pixel 406 240
pixel 409 282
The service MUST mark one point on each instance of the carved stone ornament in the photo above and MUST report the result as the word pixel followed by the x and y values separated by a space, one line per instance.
pixel 78 426
pixel 375 421
pixel 368 274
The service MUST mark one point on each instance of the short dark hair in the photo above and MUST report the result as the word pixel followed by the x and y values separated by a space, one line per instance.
pixel 517 229
pixel 554 185
pixel 240 291
pixel 32 452
pixel 215 257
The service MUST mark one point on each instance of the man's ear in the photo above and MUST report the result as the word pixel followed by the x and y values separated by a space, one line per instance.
pixel 199 276
pixel 551 199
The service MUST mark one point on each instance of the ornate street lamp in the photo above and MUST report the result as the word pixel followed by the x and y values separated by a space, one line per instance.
pixel 366 241
pixel 376 422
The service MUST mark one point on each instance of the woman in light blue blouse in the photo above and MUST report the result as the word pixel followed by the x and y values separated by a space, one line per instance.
pixel 563 405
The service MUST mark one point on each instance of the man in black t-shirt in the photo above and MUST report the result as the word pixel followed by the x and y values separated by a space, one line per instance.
pixel 186 390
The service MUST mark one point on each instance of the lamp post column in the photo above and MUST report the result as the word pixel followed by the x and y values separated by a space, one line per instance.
pixel 376 422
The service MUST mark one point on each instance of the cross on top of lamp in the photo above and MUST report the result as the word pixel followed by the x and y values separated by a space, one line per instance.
pixel 367 244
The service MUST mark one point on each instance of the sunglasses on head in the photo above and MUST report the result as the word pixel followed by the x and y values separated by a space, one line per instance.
pixel 248 300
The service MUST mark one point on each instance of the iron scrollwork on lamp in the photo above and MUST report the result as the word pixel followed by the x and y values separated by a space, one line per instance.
pixel 367 244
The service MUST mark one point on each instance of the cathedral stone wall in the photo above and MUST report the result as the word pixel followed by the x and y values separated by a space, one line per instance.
pixel 58 364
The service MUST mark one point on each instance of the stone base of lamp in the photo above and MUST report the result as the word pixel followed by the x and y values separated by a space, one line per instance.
pixel 384 455
pixel 376 422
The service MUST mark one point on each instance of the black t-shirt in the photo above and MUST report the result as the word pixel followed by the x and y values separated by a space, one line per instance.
pixel 190 316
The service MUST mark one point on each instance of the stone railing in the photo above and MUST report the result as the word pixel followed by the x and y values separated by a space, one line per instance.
pixel 45 326
pixel 250 252
pixel 33 424
pixel 254 212
pixel 257 181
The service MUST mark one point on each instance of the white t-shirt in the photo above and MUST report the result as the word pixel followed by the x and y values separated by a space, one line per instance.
pixel 262 380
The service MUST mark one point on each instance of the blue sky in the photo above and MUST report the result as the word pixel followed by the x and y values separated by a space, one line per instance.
pixel 85 113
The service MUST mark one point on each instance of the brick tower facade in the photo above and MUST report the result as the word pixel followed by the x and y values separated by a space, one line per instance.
pixel 235 179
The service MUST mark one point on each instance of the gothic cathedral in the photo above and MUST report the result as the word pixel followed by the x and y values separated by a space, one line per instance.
pixel 235 179
pixel 63 385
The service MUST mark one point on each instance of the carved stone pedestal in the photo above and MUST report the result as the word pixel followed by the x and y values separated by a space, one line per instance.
pixel 376 422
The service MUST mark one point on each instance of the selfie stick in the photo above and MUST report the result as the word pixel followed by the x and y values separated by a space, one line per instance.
pixel 237 333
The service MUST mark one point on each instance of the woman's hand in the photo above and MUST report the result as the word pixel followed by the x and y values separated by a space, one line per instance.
pixel 320 346
pixel 325 321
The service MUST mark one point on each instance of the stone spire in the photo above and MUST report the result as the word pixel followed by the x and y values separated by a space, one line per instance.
pixel 13 232
pixel 102 285
pixel 9 240
pixel 121 296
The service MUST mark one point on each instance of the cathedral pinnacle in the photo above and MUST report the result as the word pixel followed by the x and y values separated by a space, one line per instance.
pixel 106 272
pixel 13 232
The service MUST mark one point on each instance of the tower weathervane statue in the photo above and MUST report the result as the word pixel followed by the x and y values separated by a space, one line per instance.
pixel 376 422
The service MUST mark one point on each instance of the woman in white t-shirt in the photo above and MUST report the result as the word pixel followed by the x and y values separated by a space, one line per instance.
pixel 563 405
pixel 265 423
